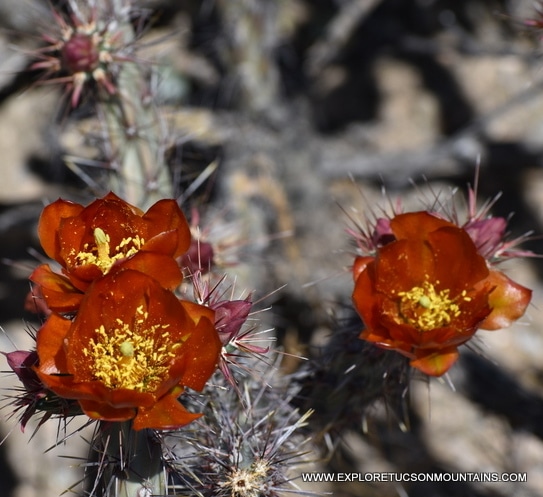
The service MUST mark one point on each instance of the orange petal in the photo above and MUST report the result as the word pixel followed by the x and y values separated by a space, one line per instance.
pixel 57 290
pixel 167 413
pixel 161 267
pixel 65 386
pixel 458 265
pixel 124 397
pixel 197 311
pixel 416 225
pixel 385 342
pixel 435 363
pixel 508 301
pixel 403 264
pixel 203 347
pixel 49 222
pixel 165 215
pixel 360 263
pixel 163 243
pixel 50 345
pixel 105 412
pixel 365 300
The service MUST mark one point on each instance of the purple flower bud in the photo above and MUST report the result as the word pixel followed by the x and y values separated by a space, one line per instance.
pixel 21 362
pixel 199 257
pixel 382 234
pixel 230 315
pixel 487 234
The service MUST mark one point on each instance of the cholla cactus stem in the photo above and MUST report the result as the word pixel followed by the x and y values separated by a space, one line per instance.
pixel 130 463
pixel 134 136
pixel 133 128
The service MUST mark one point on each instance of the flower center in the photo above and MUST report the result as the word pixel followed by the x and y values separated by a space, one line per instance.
pixel 100 255
pixel 80 53
pixel 247 481
pixel 426 308
pixel 136 358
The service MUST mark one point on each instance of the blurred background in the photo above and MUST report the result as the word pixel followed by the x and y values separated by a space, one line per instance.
pixel 307 108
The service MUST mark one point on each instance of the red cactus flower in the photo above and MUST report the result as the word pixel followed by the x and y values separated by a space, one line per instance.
pixel 130 352
pixel 427 290
pixel 89 242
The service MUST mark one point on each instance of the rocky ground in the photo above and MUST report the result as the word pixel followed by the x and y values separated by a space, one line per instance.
pixel 343 97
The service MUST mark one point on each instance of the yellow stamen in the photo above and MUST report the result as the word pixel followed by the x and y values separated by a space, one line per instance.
pixel 100 255
pixel 426 308
pixel 137 358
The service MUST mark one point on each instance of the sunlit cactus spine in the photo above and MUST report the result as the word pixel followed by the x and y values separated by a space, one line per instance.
pixel 264 441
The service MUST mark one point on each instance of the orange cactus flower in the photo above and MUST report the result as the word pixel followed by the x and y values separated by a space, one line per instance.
pixel 130 352
pixel 89 242
pixel 427 290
